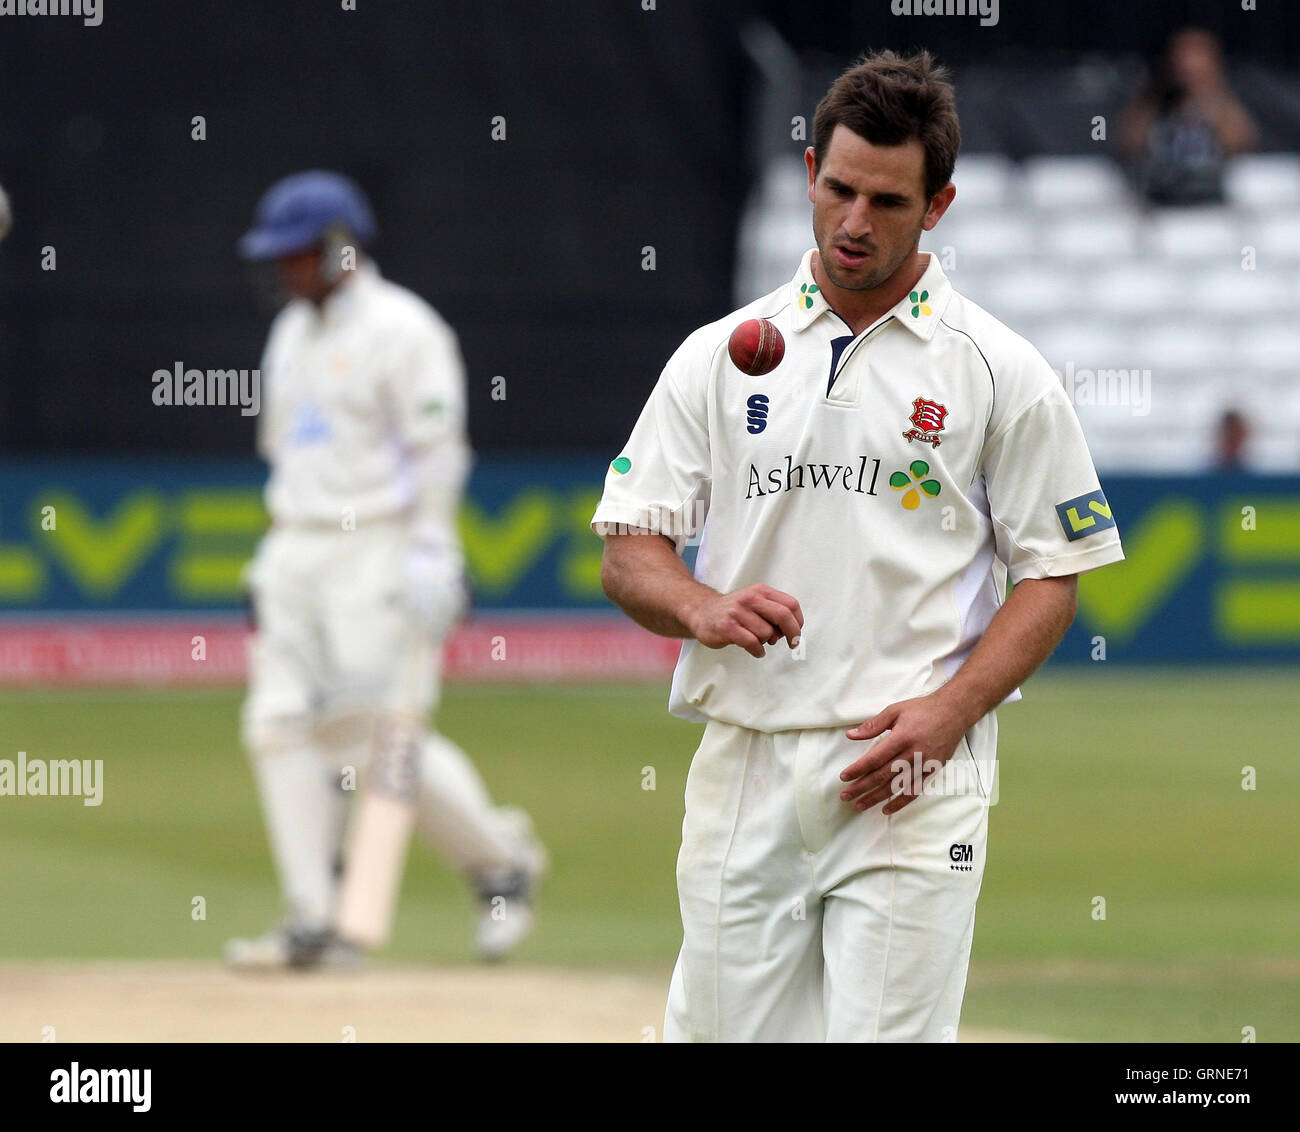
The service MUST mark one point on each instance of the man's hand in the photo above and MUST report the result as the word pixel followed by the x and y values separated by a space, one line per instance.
pixel 435 589
pixel 923 734
pixel 1020 637
pixel 644 576
pixel 752 617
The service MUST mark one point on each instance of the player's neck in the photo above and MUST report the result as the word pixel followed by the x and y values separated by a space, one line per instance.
pixel 861 308
pixel 322 296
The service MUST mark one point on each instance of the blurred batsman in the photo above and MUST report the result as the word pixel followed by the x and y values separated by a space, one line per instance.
pixel 354 589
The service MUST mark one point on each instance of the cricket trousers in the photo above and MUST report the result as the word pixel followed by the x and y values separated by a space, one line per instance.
pixel 343 670
pixel 336 633
pixel 806 920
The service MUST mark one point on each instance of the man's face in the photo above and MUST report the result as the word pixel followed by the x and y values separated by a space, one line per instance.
pixel 869 208
pixel 300 274
pixel 1194 60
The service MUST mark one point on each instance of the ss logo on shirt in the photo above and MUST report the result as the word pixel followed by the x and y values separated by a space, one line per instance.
pixel 757 405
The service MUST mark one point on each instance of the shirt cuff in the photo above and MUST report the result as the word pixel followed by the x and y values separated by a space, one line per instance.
pixel 657 518
pixel 1063 565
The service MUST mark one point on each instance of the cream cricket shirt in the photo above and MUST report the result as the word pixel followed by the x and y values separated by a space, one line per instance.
pixel 889 481
pixel 364 400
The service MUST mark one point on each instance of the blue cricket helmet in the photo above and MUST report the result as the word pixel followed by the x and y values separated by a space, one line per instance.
pixel 296 212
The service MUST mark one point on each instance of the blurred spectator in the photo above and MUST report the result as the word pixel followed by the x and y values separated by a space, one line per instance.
pixel 1179 130
pixel 1230 438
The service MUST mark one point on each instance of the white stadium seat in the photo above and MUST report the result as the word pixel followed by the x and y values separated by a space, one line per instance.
pixel 1273 453
pixel 1106 234
pixel 1271 347
pixel 1148 406
pixel 1182 344
pixel 1274 398
pixel 1083 342
pixel 1131 289
pixel 1194 233
pixel 1263 181
pixel 1275 236
pixel 1034 291
pixel 1059 251
pixel 992 236
pixel 984 181
pixel 973 279
pixel 1155 453
pixel 1055 184
pixel 1229 292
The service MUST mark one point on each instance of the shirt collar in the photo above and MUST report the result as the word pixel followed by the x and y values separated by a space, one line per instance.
pixel 809 302
pixel 340 302
pixel 919 310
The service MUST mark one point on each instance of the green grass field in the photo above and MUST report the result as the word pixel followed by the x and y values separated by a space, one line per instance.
pixel 1121 785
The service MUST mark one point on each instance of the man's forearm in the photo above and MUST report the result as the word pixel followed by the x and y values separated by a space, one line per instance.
pixel 439 475
pixel 1020 637
pixel 643 575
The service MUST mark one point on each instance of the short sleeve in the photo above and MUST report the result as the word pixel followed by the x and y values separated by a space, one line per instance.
pixel 661 481
pixel 1050 515
pixel 428 385
pixel 264 438
pixel 269 419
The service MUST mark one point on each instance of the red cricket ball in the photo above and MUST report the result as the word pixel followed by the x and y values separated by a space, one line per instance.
pixel 756 347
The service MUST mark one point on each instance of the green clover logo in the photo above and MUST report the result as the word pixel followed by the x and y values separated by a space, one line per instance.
pixel 919 306
pixel 806 293
pixel 902 481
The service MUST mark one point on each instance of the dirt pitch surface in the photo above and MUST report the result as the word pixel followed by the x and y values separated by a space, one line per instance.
pixel 203 1002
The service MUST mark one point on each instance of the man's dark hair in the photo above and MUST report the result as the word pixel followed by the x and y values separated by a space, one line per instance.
pixel 889 99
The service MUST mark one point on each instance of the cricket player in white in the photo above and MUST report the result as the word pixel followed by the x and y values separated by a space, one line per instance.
pixel 862 508
pixel 359 579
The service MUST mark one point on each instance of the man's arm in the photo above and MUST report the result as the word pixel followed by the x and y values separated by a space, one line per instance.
pixel 1020 637
pixel 1232 123
pixel 642 574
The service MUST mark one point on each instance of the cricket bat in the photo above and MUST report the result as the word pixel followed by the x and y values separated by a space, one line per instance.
pixel 376 846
